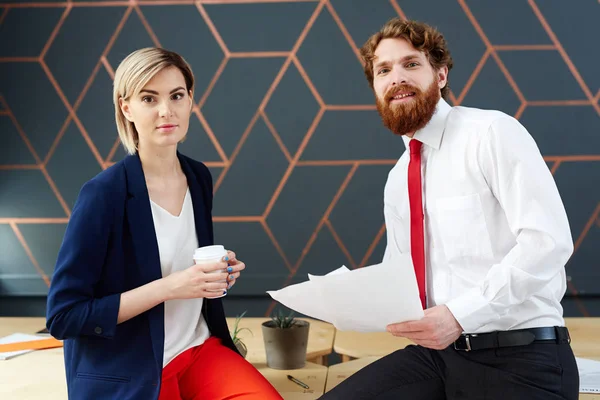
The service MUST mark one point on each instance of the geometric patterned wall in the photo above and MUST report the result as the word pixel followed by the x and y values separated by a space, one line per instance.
pixel 283 117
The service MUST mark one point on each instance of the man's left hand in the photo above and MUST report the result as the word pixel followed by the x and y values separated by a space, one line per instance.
pixel 436 330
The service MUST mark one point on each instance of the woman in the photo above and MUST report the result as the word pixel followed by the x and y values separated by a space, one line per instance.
pixel 135 313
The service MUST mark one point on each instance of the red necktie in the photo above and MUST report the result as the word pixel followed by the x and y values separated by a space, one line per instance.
pixel 417 239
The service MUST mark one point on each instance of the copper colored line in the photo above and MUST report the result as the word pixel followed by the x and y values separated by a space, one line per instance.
pixel 19 59
pixel 4 13
pixel 276 136
pixel 559 103
pixel 19 166
pixel 147 26
pixel 356 107
pixel 523 47
pixel 238 219
pixel 520 110
pixel 212 82
pixel 213 29
pixel 276 244
pixel 324 218
pixel 259 54
pixel 323 163
pixel 55 31
pixel 345 32
pixel 108 67
pixel 401 14
pixel 473 76
pixel 36 265
pixel 587 227
pixel 340 244
pixel 563 53
pixel 308 82
pixel 490 48
pixel 211 136
pixel 372 246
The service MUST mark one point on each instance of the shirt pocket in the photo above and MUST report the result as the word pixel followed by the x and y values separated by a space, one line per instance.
pixel 462 226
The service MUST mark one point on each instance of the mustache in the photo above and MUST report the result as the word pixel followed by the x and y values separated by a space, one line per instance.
pixel 402 88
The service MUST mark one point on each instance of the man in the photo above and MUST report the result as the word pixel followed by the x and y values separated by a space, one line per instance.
pixel 475 205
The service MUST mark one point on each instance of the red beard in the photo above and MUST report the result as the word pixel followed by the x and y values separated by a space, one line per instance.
pixel 411 116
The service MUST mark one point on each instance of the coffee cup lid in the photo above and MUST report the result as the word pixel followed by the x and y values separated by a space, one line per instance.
pixel 209 252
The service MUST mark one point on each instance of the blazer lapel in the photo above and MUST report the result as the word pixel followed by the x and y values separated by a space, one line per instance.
pixel 145 245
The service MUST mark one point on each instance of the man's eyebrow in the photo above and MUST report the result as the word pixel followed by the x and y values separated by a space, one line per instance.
pixel 407 57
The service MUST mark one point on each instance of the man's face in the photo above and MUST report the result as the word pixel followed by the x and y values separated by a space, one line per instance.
pixel 406 86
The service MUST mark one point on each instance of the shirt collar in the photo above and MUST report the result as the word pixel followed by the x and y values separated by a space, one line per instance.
pixel 432 133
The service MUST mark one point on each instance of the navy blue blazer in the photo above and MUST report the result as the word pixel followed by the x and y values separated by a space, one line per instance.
pixel 110 247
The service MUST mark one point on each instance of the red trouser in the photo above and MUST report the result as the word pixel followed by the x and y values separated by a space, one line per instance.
pixel 212 371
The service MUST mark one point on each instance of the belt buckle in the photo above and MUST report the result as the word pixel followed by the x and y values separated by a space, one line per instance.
pixel 467 342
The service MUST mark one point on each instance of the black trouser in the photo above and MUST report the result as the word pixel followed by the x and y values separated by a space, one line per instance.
pixel 538 371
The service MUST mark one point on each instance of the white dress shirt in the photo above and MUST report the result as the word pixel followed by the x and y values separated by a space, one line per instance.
pixel 185 326
pixel 497 236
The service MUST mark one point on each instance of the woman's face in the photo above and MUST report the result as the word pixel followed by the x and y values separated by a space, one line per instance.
pixel 161 110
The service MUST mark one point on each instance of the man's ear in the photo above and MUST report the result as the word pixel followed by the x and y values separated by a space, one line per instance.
pixel 442 77
pixel 124 105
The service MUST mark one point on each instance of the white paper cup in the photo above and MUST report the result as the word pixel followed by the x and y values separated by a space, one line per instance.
pixel 210 254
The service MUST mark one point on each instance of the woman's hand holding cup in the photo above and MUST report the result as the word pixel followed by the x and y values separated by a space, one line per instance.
pixel 234 268
pixel 206 280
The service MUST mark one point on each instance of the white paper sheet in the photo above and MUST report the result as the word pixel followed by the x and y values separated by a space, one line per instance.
pixel 363 300
pixel 589 375
pixel 15 338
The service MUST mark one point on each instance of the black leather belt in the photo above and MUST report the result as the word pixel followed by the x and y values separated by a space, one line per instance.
pixel 519 337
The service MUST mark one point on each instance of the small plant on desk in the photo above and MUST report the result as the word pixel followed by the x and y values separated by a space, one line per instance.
pixel 286 341
pixel 282 321
pixel 237 341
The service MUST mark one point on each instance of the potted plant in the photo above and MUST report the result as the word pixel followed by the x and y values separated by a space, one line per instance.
pixel 286 339
pixel 237 341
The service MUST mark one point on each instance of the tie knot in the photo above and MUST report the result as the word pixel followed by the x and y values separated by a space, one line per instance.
pixel 415 146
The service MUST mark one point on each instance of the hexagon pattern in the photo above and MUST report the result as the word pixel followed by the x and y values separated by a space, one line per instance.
pixel 284 118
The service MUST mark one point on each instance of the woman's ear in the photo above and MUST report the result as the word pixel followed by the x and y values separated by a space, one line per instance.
pixel 124 105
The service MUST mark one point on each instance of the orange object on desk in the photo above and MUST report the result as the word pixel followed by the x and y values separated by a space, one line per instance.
pixel 48 343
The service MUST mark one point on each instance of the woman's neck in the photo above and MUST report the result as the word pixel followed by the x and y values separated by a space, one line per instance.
pixel 160 163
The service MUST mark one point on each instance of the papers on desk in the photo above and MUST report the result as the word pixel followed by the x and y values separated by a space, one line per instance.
pixel 363 300
pixel 21 343
pixel 589 375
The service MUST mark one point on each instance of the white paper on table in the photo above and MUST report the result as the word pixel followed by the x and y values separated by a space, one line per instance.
pixel 589 375
pixel 364 300
pixel 16 338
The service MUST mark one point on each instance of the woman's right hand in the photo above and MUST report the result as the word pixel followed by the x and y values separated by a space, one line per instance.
pixel 197 281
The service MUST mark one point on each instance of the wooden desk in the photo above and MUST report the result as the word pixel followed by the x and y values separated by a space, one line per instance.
pixel 585 336
pixel 31 325
pixel 41 374
pixel 314 375
pixel 585 341
pixel 320 339
pixel 34 376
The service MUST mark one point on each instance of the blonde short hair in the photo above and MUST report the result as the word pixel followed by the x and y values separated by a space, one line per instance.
pixel 132 75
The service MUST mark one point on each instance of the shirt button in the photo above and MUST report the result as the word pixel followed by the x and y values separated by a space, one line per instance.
pixel 98 330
